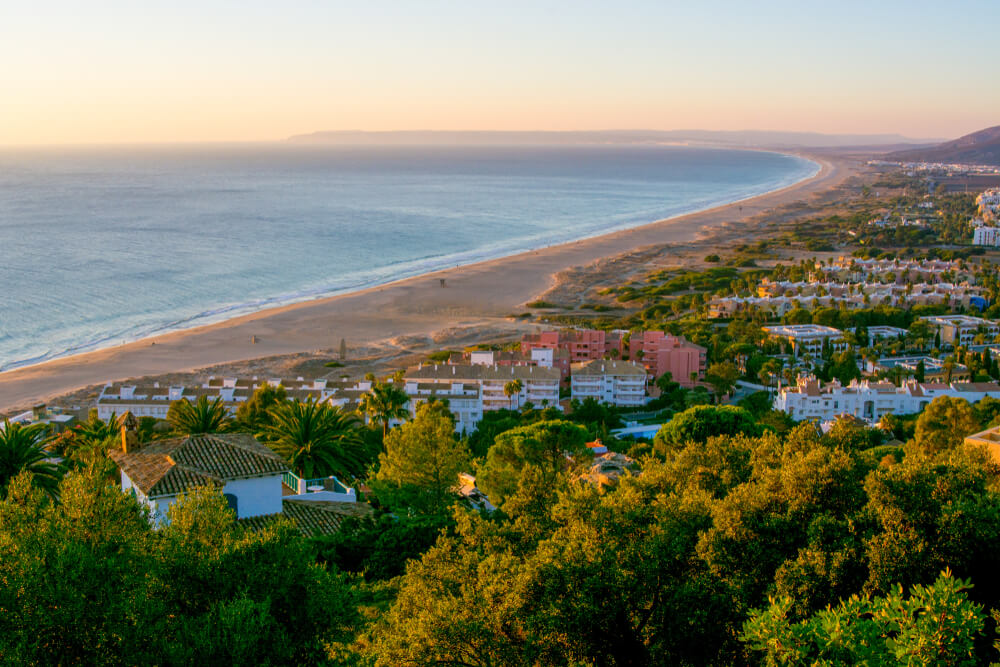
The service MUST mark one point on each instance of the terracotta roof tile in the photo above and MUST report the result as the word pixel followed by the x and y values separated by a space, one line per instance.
pixel 310 517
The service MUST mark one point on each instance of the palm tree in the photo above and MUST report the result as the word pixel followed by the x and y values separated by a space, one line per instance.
pixel 89 441
pixel 383 403
pixel 188 418
pixel 512 389
pixel 22 449
pixel 316 439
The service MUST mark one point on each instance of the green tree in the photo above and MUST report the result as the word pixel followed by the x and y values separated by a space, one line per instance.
pixel 316 439
pixel 420 465
pixel 944 424
pixel 699 423
pixel 543 445
pixel 383 403
pixel 22 449
pixel 933 625
pixel 722 375
pixel 201 416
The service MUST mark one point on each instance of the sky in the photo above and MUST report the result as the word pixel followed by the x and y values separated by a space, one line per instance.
pixel 103 71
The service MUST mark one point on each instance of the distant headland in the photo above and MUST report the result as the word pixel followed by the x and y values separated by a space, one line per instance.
pixel 745 138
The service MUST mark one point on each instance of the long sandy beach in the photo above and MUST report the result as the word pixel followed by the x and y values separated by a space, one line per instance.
pixel 481 294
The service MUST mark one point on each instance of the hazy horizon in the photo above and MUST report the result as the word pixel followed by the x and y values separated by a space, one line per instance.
pixel 119 72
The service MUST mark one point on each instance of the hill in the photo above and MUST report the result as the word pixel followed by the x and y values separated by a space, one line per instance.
pixel 981 147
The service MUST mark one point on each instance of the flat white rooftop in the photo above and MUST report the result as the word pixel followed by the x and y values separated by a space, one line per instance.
pixel 803 331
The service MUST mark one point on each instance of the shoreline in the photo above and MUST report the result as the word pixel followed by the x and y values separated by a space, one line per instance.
pixel 477 294
pixel 231 311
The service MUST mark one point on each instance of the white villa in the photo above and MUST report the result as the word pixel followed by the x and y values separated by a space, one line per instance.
pixel 256 483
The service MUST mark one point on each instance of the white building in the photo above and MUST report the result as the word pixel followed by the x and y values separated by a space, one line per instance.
pixel 962 329
pixel 152 400
pixel 465 400
pixel 620 383
pixel 249 475
pixel 539 385
pixel 808 399
pixel 989 236
pixel 55 420
pixel 885 333
pixel 808 338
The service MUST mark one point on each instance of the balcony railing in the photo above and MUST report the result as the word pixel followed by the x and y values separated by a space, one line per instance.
pixel 317 484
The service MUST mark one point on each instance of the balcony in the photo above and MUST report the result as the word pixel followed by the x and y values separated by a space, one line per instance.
pixel 321 488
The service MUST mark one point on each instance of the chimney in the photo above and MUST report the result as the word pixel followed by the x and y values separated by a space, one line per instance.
pixel 130 433
pixel 38 411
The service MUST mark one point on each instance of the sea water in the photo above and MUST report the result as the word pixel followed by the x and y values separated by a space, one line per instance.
pixel 99 246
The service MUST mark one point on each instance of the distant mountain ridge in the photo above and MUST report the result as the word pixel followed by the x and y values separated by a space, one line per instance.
pixel 748 138
pixel 982 147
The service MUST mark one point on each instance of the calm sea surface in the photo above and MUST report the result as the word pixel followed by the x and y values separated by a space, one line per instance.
pixel 101 246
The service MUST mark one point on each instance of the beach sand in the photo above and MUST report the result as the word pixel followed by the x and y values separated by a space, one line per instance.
pixel 416 309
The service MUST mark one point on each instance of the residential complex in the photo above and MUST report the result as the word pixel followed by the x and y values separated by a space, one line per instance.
pixel 854 270
pixel 850 296
pixel 154 400
pixel 465 400
pixel 539 385
pixel 884 333
pixel 619 383
pixel 580 344
pixel 963 329
pixel 989 204
pixel 663 353
pixel 935 370
pixel 988 236
pixel 809 399
pixel 807 339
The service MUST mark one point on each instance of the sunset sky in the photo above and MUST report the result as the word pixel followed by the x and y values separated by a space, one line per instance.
pixel 214 70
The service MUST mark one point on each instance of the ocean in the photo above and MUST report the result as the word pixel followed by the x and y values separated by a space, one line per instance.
pixel 106 245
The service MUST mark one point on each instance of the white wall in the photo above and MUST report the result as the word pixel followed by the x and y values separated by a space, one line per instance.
pixel 257 496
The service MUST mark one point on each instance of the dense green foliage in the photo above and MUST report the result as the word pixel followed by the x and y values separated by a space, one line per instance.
pixel 702 422
pixel 88 581
pixel 420 465
pixel 22 450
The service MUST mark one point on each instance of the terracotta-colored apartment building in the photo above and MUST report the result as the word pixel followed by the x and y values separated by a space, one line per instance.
pixel 658 352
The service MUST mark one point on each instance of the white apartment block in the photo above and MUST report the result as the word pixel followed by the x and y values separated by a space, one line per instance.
pixel 154 400
pixel 988 236
pixel 808 339
pixel 619 383
pixel 808 399
pixel 885 333
pixel 465 400
pixel 539 385
pixel 538 356
pixel 959 330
